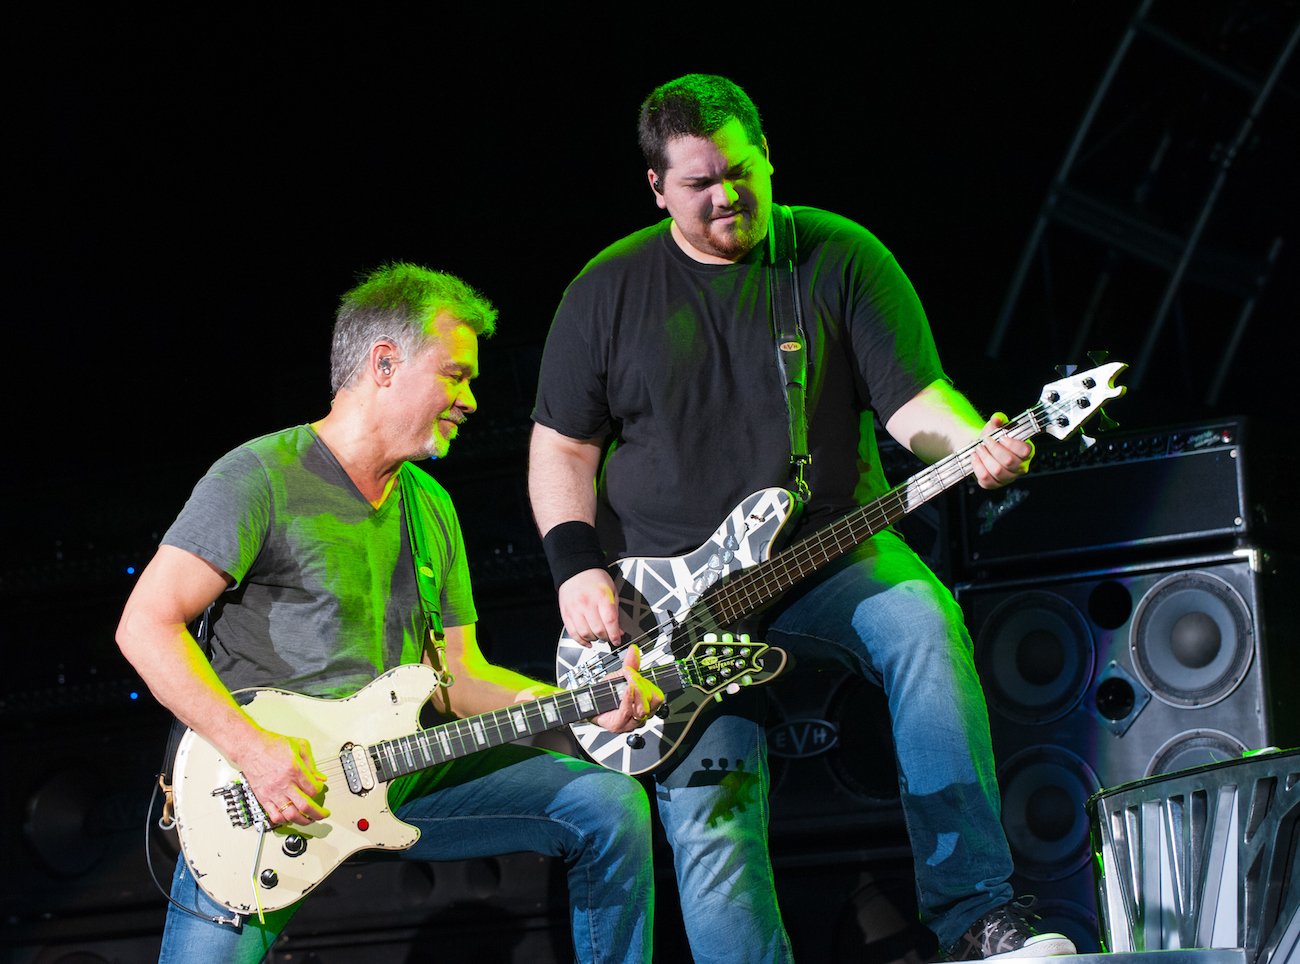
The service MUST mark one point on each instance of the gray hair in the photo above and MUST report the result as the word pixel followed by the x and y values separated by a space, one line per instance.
pixel 399 303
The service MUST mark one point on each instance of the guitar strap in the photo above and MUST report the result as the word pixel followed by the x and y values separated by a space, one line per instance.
pixel 424 574
pixel 424 581
pixel 791 341
pixel 201 630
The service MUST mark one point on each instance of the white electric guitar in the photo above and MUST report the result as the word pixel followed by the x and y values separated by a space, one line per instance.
pixel 362 743
pixel 666 601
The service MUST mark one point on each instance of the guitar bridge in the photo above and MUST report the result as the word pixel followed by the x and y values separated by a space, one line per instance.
pixel 587 674
pixel 242 807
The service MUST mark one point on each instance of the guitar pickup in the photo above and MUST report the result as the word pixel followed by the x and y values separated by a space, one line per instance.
pixel 357 769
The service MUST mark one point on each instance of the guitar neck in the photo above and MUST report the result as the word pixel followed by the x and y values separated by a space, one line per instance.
pixel 760 584
pixel 449 741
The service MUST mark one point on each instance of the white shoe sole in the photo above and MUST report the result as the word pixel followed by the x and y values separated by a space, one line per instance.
pixel 1042 945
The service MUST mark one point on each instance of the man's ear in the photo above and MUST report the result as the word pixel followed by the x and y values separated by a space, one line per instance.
pixel 383 355
pixel 657 186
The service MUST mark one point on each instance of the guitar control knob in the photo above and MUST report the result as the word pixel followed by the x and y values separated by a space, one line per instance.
pixel 269 878
pixel 294 845
pixel 635 740
pixel 663 711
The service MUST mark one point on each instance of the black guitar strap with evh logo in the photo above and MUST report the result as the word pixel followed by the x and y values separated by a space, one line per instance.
pixel 791 341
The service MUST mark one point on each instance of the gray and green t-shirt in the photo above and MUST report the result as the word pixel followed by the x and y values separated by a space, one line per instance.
pixel 324 596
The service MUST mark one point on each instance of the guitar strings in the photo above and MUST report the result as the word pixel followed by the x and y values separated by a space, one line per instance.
pixel 751 588
pixel 738 597
pixel 500 722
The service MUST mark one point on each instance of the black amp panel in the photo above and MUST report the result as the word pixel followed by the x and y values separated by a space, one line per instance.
pixel 1152 492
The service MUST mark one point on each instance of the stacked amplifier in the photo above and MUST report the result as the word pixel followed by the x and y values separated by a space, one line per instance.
pixel 1133 610
pixel 1156 492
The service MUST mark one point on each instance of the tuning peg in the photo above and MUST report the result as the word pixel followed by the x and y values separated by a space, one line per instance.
pixel 1065 371
pixel 1098 358
pixel 1086 442
pixel 1104 422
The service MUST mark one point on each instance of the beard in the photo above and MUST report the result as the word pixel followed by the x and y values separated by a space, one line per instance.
pixel 737 239
pixel 438 445
pixel 731 239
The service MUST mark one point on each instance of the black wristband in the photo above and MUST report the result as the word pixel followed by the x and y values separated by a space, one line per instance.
pixel 571 548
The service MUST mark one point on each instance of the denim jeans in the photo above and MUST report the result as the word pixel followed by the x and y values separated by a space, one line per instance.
pixel 883 614
pixel 504 800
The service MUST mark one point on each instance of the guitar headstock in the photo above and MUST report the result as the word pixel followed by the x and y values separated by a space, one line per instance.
pixel 717 664
pixel 1069 402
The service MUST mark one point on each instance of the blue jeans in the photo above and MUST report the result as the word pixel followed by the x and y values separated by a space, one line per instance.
pixel 883 614
pixel 505 800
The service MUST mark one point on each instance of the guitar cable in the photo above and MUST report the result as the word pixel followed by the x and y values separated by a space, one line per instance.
pixel 201 629
pixel 163 824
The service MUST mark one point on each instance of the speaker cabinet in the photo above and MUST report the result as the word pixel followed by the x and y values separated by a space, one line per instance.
pixel 831 757
pixel 76 823
pixel 863 912
pixel 1098 679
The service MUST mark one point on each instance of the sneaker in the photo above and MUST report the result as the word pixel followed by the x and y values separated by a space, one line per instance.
pixel 1005 933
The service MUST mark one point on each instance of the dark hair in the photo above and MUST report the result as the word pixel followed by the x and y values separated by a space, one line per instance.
pixel 696 105
pixel 398 303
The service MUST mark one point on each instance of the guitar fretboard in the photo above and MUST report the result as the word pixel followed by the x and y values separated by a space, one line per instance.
pixel 758 585
pixel 449 741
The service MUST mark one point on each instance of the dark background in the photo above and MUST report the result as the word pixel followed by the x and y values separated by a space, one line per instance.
pixel 190 192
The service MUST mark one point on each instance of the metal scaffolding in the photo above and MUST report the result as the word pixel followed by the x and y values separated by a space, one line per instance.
pixel 1143 178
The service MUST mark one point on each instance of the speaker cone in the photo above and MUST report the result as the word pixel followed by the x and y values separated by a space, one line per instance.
pixel 1193 639
pixel 1044 789
pixel 846 729
pixel 1195 748
pixel 1035 655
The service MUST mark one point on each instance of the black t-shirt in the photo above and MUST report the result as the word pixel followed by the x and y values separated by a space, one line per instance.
pixel 675 362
